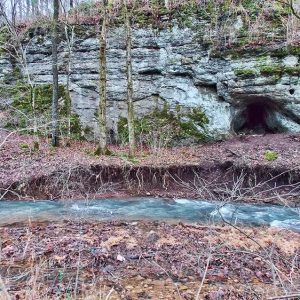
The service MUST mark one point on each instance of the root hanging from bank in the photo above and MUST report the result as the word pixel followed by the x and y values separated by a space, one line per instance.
pixel 220 182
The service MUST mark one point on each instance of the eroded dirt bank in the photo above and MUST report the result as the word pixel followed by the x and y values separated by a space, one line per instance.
pixel 237 169
pixel 147 260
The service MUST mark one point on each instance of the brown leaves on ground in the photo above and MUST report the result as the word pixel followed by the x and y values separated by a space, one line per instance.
pixel 148 260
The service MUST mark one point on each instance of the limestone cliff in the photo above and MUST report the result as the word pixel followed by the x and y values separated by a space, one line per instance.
pixel 172 65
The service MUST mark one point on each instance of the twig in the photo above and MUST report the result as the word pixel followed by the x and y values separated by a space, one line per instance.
pixel 291 296
pixel 5 292
pixel 109 294
pixel 204 276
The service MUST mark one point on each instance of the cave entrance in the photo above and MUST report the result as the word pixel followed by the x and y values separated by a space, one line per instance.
pixel 257 117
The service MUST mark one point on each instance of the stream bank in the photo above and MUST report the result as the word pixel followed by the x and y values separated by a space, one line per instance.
pixel 244 168
pixel 148 259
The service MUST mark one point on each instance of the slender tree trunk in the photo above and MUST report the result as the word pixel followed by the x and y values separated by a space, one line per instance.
pixel 20 10
pixel 295 9
pixel 27 8
pixel 32 8
pixel 47 10
pixel 55 122
pixel 42 7
pixel 129 86
pixel 71 4
pixel 69 32
pixel 37 7
pixel 13 12
pixel 102 85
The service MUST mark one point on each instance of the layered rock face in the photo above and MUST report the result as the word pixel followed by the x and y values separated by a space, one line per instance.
pixel 171 66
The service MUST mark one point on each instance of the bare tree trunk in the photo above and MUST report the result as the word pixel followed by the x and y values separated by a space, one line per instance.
pixel 69 32
pixel 71 4
pixel 27 8
pixel 33 8
pixel 102 149
pixel 295 8
pixel 129 86
pixel 55 122
pixel 42 7
pixel 37 7
pixel 13 8
pixel 20 10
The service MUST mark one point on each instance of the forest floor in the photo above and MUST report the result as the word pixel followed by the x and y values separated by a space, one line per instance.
pixel 31 169
pixel 147 260
pixel 140 259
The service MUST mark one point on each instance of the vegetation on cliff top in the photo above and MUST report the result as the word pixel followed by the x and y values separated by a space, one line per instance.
pixel 231 25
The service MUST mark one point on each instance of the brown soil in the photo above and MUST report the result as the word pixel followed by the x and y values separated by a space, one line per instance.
pixel 146 260
pixel 209 171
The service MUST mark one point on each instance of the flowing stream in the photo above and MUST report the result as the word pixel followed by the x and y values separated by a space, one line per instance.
pixel 191 211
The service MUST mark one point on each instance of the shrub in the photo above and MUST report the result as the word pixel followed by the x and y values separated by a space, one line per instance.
pixel 270 155
pixel 163 128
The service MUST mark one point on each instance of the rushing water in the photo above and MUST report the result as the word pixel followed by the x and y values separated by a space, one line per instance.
pixel 151 209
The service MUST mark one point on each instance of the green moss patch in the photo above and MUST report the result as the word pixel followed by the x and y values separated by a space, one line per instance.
pixel 36 102
pixel 270 70
pixel 279 70
pixel 294 71
pixel 166 127
pixel 276 70
pixel 245 73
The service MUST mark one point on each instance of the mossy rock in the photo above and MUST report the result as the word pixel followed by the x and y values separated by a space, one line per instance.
pixel 285 51
pixel 278 70
pixel 245 73
pixel 293 71
pixel 22 96
pixel 271 70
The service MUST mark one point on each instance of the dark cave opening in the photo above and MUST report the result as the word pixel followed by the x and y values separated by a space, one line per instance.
pixel 257 117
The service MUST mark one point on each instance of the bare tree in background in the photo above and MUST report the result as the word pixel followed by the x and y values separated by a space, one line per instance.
pixel 55 116
pixel 16 50
pixel 294 5
pixel 102 149
pixel 295 8
pixel 24 10
pixel 69 34
pixel 129 81
pixel 27 8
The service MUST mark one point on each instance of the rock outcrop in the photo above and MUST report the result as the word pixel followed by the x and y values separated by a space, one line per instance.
pixel 250 92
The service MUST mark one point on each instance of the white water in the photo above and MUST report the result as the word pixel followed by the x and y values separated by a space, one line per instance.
pixel 185 210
